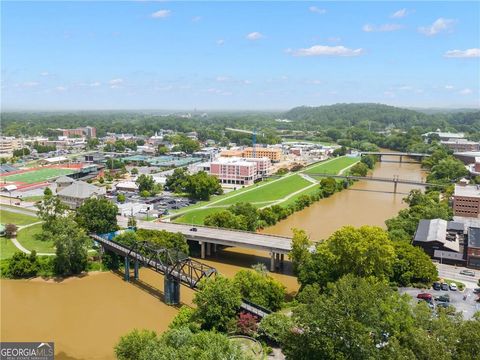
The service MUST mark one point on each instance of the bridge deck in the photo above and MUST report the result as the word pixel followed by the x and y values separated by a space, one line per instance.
pixel 394 153
pixel 244 239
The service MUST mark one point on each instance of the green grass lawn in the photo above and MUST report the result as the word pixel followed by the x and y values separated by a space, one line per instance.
pixel 39 175
pixel 26 237
pixel 332 167
pixel 291 200
pixel 32 198
pixel 274 191
pixel 196 216
pixel 8 217
pixel 7 249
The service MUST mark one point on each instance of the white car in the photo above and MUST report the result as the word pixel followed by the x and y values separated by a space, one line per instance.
pixel 467 272
pixel 453 287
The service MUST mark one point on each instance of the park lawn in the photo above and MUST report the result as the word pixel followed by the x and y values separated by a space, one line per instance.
pixel 39 175
pixel 270 192
pixel 219 197
pixel 7 249
pixel 309 192
pixel 27 238
pixel 197 217
pixel 332 167
pixel 33 198
pixel 8 217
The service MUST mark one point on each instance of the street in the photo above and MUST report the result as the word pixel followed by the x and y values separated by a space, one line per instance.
pixel 453 273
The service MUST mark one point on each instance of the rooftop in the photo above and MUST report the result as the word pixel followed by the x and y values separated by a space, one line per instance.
pixel 467 190
pixel 81 190
pixel 436 230
pixel 474 237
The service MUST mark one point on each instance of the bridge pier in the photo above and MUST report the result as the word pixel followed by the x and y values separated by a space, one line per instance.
pixel 202 249
pixel 281 259
pixel 395 183
pixel 171 287
pixel 135 270
pixel 401 157
pixel 272 261
pixel 209 249
pixel 127 269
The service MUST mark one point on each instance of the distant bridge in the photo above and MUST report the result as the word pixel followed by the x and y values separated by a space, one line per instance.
pixel 395 180
pixel 419 156
pixel 176 267
pixel 277 246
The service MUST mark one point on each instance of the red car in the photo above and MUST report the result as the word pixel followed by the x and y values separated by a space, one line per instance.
pixel 424 296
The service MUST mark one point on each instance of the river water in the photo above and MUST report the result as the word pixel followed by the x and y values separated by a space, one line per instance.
pixel 86 316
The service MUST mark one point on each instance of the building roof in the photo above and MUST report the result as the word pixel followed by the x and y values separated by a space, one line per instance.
pixel 474 237
pixel 127 185
pixel 455 226
pixel 56 159
pixel 467 190
pixel 81 190
pixel 64 180
pixel 435 230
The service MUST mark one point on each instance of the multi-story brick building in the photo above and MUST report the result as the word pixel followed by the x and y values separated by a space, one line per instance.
pixel 274 154
pixel 234 171
pixel 466 200
pixel 87 131
pixel 473 249
pixel 461 145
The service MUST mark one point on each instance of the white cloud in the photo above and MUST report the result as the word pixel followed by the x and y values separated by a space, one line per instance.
pixel 314 82
pixel 389 94
pixel 316 10
pixel 28 84
pixel 220 42
pixel 222 78
pixel 95 84
pixel 44 73
pixel 247 82
pixel 255 36
pixel 440 25
pixel 405 88
pixel 115 83
pixel 382 28
pixel 196 18
pixel 448 87
pixel 399 14
pixel 161 14
pixel 61 88
pixel 468 53
pixel 466 91
pixel 324 50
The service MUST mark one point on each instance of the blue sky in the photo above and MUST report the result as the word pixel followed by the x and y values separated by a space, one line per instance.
pixel 233 55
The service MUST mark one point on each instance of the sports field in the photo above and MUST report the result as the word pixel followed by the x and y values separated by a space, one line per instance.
pixel 38 175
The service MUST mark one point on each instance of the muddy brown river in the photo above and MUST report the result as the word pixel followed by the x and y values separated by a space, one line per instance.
pixel 86 316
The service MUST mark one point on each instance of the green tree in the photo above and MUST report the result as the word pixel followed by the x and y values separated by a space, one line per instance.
pixel 22 265
pixel 146 183
pixel 131 345
pixel 226 219
pixel 300 253
pixel 260 288
pixel 162 150
pixel 412 265
pixel 177 182
pixel 359 169
pixel 365 251
pixel 134 171
pixel 121 198
pixel 71 244
pixel 50 209
pixel 248 211
pixel 47 192
pixel 328 186
pixel 97 216
pixel 447 170
pixel 201 186
pixel 217 303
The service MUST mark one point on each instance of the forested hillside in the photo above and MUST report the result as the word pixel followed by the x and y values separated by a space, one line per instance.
pixel 379 117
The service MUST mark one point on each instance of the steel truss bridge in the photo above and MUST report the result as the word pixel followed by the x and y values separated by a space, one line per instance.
pixel 176 267
pixel 395 180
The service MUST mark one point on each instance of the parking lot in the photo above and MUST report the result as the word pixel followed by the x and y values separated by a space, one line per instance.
pixel 155 206
pixel 467 307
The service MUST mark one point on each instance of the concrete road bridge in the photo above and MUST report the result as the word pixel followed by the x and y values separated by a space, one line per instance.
pixel 176 267
pixel 395 180
pixel 414 155
pixel 277 246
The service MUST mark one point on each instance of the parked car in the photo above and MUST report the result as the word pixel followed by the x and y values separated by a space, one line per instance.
pixel 467 272
pixel 424 296
pixel 193 229
pixel 443 298
pixel 444 286
pixel 436 286
pixel 453 287
pixel 476 291
pixel 443 305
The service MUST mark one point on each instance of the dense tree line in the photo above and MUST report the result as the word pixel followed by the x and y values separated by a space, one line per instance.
pixel 198 186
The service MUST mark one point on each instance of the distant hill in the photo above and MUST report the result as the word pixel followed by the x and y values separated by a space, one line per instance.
pixel 379 116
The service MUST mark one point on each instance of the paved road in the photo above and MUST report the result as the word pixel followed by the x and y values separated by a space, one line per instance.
pixel 16 209
pixel 453 273
pixel 250 240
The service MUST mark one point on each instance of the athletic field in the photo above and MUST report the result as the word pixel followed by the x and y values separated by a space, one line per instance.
pixel 37 175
